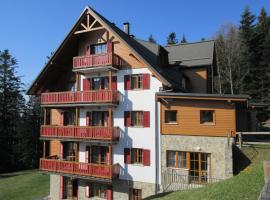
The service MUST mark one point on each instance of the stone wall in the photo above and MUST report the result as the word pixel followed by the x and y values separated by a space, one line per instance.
pixel 220 149
pixel 54 186
pixel 121 189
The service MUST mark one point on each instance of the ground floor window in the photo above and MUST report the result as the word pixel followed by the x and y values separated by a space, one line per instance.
pixel 198 163
pixel 135 194
pixel 136 156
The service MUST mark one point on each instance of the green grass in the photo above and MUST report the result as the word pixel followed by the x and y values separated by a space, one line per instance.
pixel 24 185
pixel 247 185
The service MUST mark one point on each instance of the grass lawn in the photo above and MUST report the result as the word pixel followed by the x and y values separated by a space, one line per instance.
pixel 247 185
pixel 24 185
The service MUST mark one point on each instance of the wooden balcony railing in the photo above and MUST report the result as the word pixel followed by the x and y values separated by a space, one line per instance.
pixel 95 96
pixel 81 132
pixel 77 168
pixel 80 62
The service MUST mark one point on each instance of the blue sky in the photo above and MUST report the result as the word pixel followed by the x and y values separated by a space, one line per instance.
pixel 31 29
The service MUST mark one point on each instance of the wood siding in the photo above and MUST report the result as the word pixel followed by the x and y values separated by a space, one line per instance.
pixel 197 79
pixel 188 118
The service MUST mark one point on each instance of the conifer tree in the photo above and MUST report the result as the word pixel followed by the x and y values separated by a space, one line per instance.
pixel 184 40
pixel 11 109
pixel 171 40
pixel 152 39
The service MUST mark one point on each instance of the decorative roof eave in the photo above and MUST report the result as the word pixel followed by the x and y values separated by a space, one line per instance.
pixel 31 90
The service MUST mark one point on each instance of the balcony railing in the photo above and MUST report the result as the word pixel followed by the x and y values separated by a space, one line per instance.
pixel 95 96
pixel 81 169
pixel 96 60
pixel 81 132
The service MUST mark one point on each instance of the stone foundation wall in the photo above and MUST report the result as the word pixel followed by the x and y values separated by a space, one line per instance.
pixel 54 186
pixel 220 149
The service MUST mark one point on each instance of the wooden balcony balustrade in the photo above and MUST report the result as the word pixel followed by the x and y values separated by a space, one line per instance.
pixel 96 60
pixel 81 132
pixel 95 96
pixel 81 169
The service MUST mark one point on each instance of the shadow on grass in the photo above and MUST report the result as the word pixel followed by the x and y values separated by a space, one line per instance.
pixel 158 195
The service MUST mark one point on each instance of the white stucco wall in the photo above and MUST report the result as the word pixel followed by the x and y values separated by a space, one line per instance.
pixel 132 137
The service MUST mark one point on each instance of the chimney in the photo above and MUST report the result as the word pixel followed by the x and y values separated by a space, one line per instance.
pixel 126 27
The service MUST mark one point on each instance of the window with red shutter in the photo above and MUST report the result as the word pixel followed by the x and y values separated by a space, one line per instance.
pixel 146 157
pixel 146 81
pixel 127 119
pixel 146 119
pixel 127 82
pixel 114 83
pixel 127 156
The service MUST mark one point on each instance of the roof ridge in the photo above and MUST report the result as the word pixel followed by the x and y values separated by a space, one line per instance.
pixel 180 44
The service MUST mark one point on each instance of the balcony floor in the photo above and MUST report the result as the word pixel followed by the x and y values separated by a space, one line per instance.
pixel 95 142
pixel 87 70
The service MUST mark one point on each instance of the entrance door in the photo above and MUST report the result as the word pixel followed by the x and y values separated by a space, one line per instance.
pixel 199 167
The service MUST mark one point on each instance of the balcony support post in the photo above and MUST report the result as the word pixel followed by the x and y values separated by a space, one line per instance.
pixel 77 116
pixel 78 82
pixel 110 79
pixel 44 116
pixel 44 149
pixel 110 124
pixel 110 153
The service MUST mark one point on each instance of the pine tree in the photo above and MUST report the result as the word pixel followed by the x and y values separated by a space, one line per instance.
pixel 171 40
pixel 261 31
pixel 246 31
pixel 184 40
pixel 152 39
pixel 29 145
pixel 11 109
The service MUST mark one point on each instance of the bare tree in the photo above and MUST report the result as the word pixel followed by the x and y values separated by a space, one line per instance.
pixel 231 73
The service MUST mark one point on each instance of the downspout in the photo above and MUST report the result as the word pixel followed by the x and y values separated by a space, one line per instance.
pixel 157 144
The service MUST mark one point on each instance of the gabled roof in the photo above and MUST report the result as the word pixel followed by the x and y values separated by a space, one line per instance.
pixel 139 50
pixel 192 54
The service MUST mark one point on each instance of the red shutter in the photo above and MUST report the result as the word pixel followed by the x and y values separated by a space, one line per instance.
pixel 109 193
pixel 127 118
pixel 146 157
pixel 109 47
pixel 86 84
pixel 146 81
pixel 87 50
pixel 88 118
pixel 127 156
pixel 127 82
pixel 61 151
pixel 62 119
pixel 146 119
pixel 108 157
pixel 61 193
pixel 114 83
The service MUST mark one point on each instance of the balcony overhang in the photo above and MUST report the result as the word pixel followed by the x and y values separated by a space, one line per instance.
pixel 93 142
pixel 95 69
pixel 75 176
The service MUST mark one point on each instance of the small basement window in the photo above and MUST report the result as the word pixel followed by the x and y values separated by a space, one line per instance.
pixel 207 117
pixel 170 116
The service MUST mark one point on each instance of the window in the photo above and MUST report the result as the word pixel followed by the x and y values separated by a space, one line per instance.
pixel 135 194
pixel 100 191
pixel 136 156
pixel 100 83
pixel 99 49
pixel 136 81
pixel 199 166
pixel 176 159
pixel 97 118
pixel 170 116
pixel 136 118
pixel 207 117
pixel 99 154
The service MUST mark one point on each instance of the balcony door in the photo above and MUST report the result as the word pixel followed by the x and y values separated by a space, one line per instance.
pixel 98 155
pixel 100 83
pixel 70 188
pixel 97 118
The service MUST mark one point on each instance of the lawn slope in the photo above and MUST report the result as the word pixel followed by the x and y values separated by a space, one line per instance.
pixel 247 185
pixel 24 185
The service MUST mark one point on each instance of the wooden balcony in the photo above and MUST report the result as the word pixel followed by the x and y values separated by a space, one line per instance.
pixel 80 169
pixel 80 97
pixel 81 63
pixel 81 133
